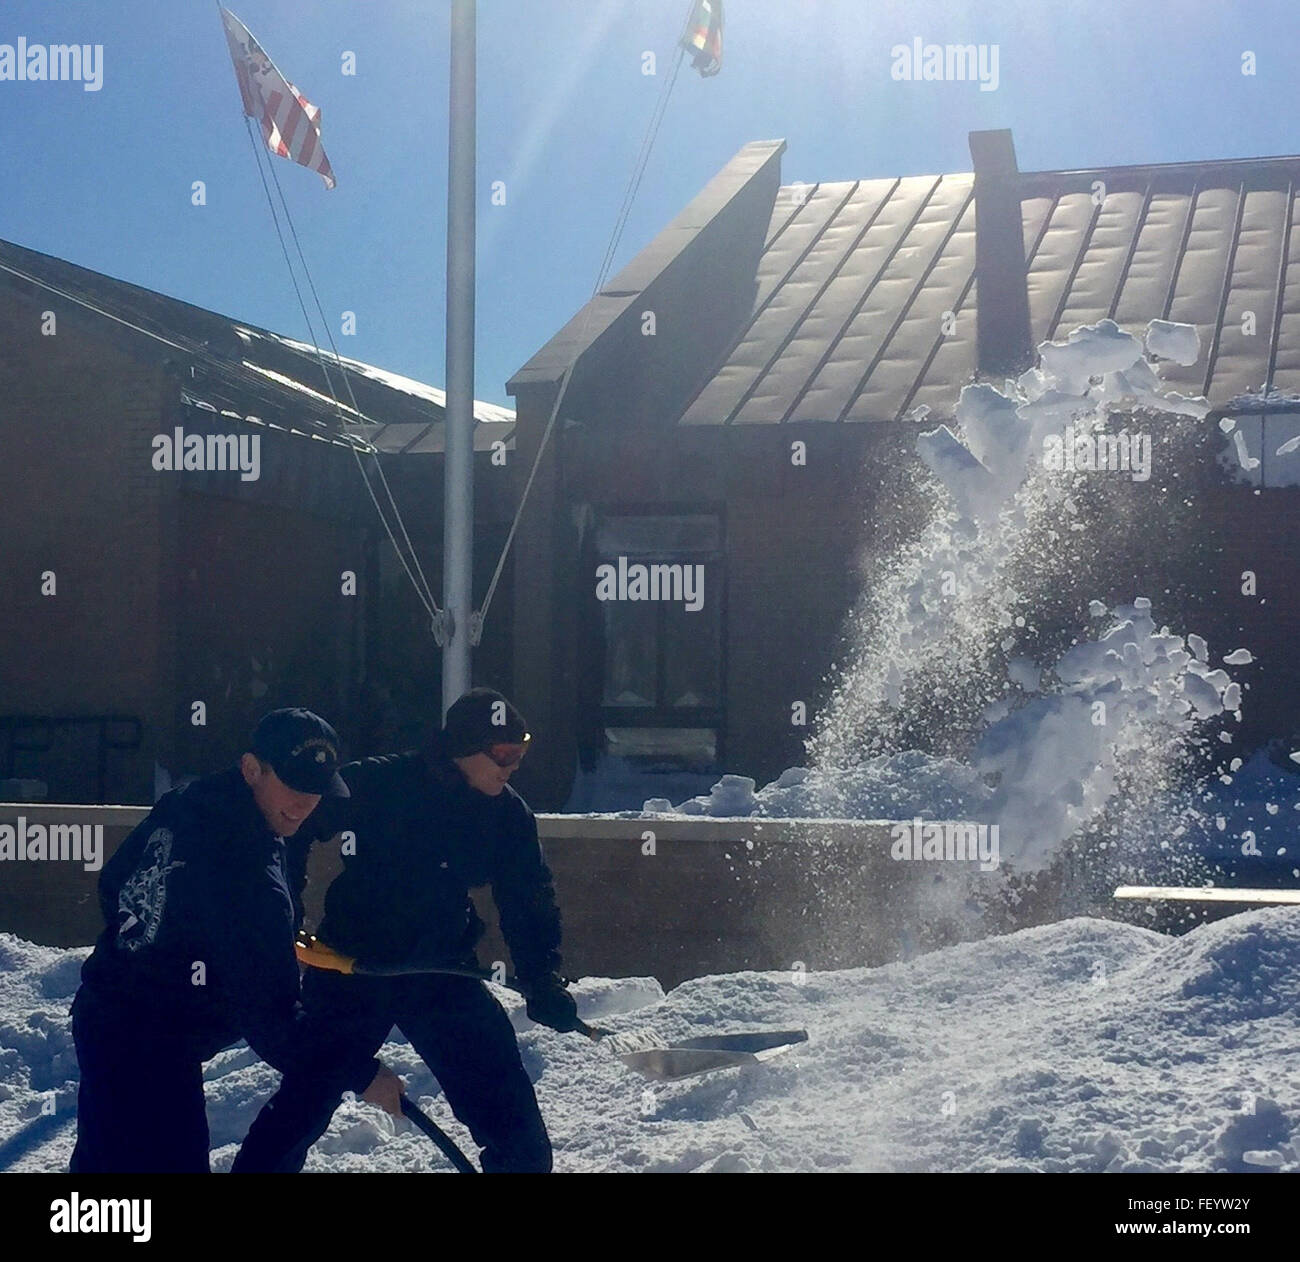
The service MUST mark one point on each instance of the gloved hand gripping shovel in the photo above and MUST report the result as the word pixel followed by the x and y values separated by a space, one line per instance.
pixel 651 1057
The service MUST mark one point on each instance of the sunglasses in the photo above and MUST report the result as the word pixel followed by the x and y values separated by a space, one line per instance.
pixel 508 756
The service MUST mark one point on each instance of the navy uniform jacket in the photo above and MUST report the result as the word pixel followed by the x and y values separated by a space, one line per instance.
pixel 423 839
pixel 202 880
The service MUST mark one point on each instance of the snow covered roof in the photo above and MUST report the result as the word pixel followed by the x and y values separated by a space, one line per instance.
pixel 488 412
pixel 864 292
pixel 239 368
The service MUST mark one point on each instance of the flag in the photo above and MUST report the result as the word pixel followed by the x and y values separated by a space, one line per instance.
pixel 290 122
pixel 703 37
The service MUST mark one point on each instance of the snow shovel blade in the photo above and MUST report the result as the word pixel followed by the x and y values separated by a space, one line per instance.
pixel 704 1055
pixel 752 1041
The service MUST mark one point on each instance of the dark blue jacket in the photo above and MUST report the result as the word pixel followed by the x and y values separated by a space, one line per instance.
pixel 423 839
pixel 202 881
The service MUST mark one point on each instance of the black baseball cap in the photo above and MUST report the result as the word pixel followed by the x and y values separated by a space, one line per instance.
pixel 302 749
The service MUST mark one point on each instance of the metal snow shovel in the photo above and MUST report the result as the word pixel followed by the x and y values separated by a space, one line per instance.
pixel 703 1055
pixel 648 1055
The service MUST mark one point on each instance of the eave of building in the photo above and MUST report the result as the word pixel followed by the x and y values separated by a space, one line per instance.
pixel 238 369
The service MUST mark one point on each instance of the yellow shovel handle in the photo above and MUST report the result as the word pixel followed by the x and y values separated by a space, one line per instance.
pixel 315 954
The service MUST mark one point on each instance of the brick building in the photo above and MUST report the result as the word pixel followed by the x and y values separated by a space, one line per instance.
pixel 815 314
pixel 765 316
pixel 171 588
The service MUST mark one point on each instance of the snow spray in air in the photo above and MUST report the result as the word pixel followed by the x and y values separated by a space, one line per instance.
pixel 958 626
pixel 968 691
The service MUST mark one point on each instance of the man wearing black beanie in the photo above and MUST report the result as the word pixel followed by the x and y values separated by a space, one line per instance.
pixel 420 829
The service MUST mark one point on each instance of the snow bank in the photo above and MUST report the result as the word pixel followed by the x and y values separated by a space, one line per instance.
pixel 892 786
pixel 1086 1045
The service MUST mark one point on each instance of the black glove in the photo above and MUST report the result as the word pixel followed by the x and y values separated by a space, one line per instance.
pixel 549 1003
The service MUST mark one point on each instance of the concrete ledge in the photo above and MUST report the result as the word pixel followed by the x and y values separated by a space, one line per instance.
pixel 716 895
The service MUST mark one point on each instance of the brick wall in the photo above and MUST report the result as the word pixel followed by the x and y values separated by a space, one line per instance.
pixel 78 497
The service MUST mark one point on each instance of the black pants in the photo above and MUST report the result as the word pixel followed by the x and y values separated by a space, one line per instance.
pixel 140 1106
pixel 458 1030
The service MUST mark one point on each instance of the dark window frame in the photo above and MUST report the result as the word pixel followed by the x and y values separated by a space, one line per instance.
pixel 659 715
pixel 1263 415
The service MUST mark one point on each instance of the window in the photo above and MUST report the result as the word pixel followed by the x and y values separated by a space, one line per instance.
pixel 1263 448
pixel 660 591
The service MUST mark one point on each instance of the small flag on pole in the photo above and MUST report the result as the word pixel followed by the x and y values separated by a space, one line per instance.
pixel 703 37
pixel 290 122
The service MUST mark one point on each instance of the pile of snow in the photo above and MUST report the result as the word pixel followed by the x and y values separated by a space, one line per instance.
pixel 892 786
pixel 1086 1045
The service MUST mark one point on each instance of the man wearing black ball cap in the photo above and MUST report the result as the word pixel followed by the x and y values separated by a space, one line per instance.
pixel 201 903
pixel 421 829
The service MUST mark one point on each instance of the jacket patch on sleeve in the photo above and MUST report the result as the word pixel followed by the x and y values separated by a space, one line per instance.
pixel 143 896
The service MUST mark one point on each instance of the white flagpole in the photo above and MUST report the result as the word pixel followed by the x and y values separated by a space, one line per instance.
pixel 458 465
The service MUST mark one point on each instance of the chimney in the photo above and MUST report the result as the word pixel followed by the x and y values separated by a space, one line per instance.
pixel 1004 344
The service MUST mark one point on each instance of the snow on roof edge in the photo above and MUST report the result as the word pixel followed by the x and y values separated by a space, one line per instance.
pixel 491 412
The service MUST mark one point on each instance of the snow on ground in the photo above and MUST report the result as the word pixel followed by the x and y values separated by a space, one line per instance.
pixel 1085 1045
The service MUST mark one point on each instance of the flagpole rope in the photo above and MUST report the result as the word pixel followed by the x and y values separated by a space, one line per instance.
pixel 422 593
pixel 417 578
pixel 638 170
pixel 418 581
pixel 625 211
pixel 431 604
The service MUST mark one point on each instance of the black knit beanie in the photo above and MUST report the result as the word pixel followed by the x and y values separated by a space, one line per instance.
pixel 469 729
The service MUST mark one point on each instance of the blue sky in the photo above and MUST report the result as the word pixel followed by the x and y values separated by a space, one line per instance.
pixel 103 178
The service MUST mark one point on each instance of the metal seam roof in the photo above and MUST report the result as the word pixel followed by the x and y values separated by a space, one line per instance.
pixel 1205 243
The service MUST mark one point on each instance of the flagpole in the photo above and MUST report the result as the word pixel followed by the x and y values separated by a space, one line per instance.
pixel 458 464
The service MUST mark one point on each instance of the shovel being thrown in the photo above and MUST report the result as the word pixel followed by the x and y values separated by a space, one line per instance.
pixel 648 1055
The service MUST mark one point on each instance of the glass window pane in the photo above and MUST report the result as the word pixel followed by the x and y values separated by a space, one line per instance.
pixel 660 536
pixel 1282 450
pixel 693 651
pixel 630 650
pixel 1240 455
pixel 689 744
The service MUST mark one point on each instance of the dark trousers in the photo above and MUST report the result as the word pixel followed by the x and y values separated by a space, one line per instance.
pixel 140 1107
pixel 458 1030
